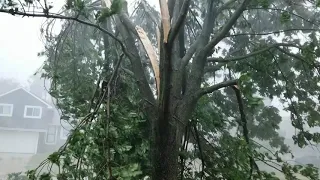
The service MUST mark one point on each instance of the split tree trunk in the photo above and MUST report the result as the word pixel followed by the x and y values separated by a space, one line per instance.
pixel 167 140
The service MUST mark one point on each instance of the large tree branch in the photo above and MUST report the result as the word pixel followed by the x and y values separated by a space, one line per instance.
pixel 284 10
pixel 137 67
pixel 177 26
pixel 203 37
pixel 214 68
pixel 298 57
pixel 227 27
pixel 200 58
pixel 273 32
pixel 215 87
pixel 197 66
pixel 233 59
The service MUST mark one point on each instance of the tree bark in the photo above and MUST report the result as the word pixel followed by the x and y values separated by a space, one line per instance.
pixel 166 154
pixel 168 139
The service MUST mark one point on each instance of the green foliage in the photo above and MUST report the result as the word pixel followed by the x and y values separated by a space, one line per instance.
pixel 285 17
pixel 118 144
pixel 17 176
pixel 264 3
pixel 318 3
pixel 115 8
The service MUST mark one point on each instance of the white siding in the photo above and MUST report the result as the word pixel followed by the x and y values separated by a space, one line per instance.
pixel 18 142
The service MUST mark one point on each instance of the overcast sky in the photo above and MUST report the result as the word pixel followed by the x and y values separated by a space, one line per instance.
pixel 20 41
pixel 19 44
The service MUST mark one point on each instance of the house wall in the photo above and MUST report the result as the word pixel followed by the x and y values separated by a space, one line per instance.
pixel 20 99
pixel 50 117
pixel 44 147
pixel 18 142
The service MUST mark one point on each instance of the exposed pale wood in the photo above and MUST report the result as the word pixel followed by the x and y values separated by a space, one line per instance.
pixel 107 3
pixel 151 53
pixel 158 38
pixel 165 18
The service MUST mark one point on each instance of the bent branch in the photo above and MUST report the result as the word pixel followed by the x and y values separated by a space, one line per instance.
pixel 245 131
pixel 247 55
pixel 215 87
pixel 227 27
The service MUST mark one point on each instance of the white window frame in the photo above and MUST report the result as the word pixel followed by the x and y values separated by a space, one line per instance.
pixel 62 136
pixel 55 135
pixel 11 106
pixel 34 117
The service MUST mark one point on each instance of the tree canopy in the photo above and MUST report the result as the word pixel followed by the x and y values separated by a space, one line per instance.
pixel 178 93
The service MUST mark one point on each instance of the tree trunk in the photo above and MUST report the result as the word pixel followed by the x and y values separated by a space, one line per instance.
pixel 166 151
pixel 167 141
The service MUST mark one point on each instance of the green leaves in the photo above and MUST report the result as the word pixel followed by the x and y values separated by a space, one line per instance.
pixel 285 17
pixel 115 8
pixel 318 3
pixel 264 3
pixel 54 158
pixel 120 143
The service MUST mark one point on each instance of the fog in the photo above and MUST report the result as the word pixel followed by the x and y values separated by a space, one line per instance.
pixel 26 145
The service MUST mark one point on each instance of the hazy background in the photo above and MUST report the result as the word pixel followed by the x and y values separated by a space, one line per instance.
pixel 21 41
pixel 19 44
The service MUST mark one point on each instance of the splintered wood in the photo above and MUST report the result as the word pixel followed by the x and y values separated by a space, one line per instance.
pixel 165 18
pixel 107 3
pixel 151 53
pixel 147 43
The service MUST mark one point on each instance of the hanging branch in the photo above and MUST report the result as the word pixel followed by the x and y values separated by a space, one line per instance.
pixel 197 137
pixel 245 132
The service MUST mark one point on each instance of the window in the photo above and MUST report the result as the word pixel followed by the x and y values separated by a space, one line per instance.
pixel 6 109
pixel 51 135
pixel 32 112
pixel 64 133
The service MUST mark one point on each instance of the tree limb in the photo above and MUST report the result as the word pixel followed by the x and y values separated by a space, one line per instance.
pixel 203 38
pixel 227 27
pixel 197 69
pixel 247 55
pixel 165 17
pixel 214 68
pixel 245 130
pixel 215 87
pixel 135 59
pixel 273 32
pixel 176 27
pixel 284 10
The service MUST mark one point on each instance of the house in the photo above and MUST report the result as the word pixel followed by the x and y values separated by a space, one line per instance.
pixel 29 125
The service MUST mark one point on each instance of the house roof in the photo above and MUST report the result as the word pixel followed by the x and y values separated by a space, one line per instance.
pixel 36 97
